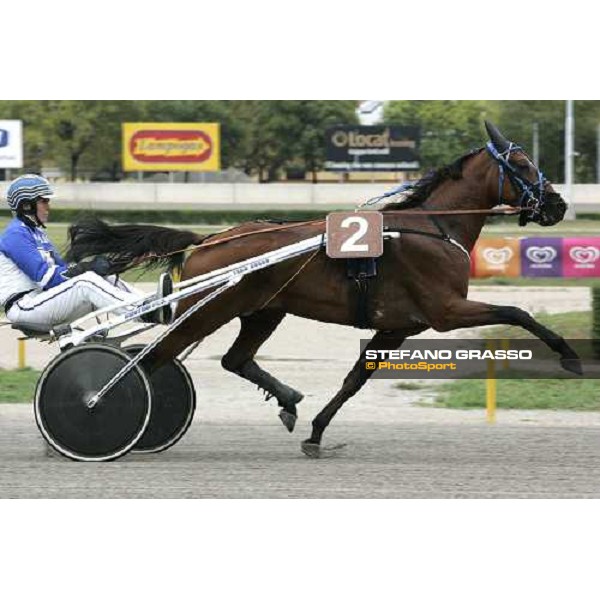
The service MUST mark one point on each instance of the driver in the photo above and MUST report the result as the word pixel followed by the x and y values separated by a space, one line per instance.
pixel 37 289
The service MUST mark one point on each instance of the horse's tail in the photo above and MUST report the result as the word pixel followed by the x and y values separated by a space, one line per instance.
pixel 127 246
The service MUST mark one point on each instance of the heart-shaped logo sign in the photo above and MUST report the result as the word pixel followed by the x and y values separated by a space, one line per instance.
pixel 541 254
pixel 498 256
pixel 584 254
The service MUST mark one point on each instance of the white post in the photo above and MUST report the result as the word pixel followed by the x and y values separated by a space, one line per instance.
pixel 536 144
pixel 569 154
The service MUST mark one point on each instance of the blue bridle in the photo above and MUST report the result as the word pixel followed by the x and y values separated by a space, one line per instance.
pixel 532 194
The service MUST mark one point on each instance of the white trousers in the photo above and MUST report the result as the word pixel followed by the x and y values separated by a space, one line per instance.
pixel 71 300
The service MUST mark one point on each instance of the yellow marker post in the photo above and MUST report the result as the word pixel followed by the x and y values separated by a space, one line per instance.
pixel 490 387
pixel 21 352
pixel 505 346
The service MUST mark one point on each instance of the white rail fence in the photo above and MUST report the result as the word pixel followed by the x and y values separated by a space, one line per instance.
pixel 161 196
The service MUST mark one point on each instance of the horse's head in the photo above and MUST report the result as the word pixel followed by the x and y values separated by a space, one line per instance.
pixel 522 184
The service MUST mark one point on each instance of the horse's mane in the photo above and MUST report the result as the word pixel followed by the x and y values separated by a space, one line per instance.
pixel 422 189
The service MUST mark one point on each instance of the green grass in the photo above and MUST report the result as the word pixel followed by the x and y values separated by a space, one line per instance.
pixel 509 226
pixel 547 394
pixel 537 281
pixel 18 385
pixel 538 394
pixel 570 325
pixel 409 385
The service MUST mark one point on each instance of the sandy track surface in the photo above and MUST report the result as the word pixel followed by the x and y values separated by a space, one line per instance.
pixel 237 447
pixel 260 460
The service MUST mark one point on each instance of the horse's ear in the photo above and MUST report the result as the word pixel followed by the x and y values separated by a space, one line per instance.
pixel 499 141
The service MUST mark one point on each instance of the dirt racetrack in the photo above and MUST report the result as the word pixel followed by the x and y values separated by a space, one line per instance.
pixel 237 448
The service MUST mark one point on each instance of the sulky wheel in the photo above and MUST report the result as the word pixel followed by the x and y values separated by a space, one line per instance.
pixel 173 405
pixel 114 425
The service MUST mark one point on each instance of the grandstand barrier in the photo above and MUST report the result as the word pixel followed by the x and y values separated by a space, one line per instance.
pixel 206 196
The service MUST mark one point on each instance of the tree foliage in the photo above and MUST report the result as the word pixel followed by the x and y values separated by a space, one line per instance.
pixel 517 118
pixel 449 128
pixel 266 138
pixel 260 137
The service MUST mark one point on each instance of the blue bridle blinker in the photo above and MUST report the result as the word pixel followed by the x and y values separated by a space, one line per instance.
pixel 531 193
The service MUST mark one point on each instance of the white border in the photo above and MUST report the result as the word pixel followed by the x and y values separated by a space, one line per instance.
pixel 429 50
pixel 299 549
pixel 235 50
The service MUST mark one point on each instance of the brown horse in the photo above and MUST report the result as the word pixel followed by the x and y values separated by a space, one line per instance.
pixel 422 280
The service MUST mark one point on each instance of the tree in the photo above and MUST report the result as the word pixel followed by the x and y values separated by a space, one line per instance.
pixel 587 120
pixel 103 158
pixel 449 128
pixel 265 145
pixel 35 146
pixel 516 120
pixel 287 133
pixel 204 111
pixel 315 117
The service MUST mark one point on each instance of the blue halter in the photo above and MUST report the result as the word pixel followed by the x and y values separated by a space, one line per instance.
pixel 532 193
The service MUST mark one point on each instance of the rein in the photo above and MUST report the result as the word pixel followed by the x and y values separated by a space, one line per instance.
pixel 464 211
pixel 482 211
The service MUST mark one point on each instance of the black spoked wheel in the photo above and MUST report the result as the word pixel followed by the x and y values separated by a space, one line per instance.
pixel 173 405
pixel 114 425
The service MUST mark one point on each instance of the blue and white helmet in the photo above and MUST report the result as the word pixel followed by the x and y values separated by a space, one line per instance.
pixel 27 188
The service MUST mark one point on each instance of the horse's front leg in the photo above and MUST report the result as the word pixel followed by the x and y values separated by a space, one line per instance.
pixel 354 381
pixel 466 313
pixel 239 359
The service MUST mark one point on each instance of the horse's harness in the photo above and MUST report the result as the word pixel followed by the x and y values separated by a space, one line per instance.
pixel 531 201
pixel 532 194
pixel 360 270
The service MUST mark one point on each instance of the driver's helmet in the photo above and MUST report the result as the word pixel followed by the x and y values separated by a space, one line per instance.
pixel 27 188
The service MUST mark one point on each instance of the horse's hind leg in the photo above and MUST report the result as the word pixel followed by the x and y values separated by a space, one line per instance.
pixel 356 378
pixel 255 330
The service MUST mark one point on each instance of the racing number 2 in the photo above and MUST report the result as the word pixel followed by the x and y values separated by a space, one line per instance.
pixel 354 234
pixel 350 244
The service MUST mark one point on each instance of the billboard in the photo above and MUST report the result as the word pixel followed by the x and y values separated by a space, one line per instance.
pixel 11 144
pixel 171 147
pixel 372 148
pixel 497 257
pixel 536 257
pixel 581 257
pixel 541 257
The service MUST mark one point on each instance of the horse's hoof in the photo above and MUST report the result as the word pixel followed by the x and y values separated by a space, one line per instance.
pixel 288 419
pixel 571 364
pixel 313 450
pixel 310 449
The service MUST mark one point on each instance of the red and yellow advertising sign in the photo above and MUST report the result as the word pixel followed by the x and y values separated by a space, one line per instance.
pixel 171 147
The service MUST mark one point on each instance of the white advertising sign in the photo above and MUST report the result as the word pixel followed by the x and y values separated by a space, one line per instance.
pixel 11 144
